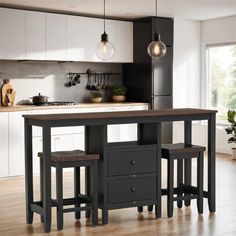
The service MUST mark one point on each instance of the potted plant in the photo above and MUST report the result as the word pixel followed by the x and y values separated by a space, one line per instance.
pixel 96 97
pixel 231 130
pixel 118 93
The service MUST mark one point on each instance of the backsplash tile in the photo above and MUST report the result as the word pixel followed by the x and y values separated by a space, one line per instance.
pixel 32 77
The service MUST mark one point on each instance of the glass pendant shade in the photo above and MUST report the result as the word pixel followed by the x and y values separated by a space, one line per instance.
pixel 156 49
pixel 104 49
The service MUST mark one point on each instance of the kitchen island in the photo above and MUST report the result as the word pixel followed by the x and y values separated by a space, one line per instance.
pixel 129 172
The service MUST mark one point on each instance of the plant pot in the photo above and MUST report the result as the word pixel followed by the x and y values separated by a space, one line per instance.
pixel 96 100
pixel 120 98
pixel 233 153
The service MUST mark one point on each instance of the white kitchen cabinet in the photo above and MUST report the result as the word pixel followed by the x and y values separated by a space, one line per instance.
pixel 121 36
pixel 62 142
pixel 58 143
pixel 16 143
pixel 64 138
pixel 94 29
pixel 35 35
pixel 12 39
pixel 56 37
pixel 4 144
pixel 47 36
pixel 79 141
pixel 76 28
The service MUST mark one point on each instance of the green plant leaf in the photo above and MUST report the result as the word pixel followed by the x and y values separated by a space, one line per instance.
pixel 232 140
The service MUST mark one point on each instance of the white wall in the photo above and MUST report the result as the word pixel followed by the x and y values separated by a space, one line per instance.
pixel 187 63
pixel 217 31
pixel 29 78
pixel 190 71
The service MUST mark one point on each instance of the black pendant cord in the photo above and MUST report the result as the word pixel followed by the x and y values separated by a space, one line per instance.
pixel 156 33
pixel 156 8
pixel 104 15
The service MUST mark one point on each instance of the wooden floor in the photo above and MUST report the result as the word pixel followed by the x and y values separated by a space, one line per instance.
pixel 185 221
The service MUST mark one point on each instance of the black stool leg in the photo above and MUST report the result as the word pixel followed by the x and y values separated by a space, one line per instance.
pixel 59 193
pixel 140 209
pixel 200 182
pixel 180 181
pixel 170 183
pixel 41 183
pixel 95 194
pixel 150 208
pixel 187 176
pixel 87 188
pixel 77 190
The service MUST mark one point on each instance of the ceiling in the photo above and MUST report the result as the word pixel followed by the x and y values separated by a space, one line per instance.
pixel 186 9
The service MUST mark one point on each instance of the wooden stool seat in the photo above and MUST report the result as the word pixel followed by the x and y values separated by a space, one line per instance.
pixel 180 148
pixel 75 155
pixel 75 159
pixel 181 152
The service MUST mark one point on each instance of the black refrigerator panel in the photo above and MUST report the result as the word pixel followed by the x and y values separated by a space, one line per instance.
pixel 136 77
pixel 162 102
pixel 162 70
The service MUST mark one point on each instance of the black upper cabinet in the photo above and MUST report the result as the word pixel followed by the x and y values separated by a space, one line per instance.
pixel 164 27
pixel 148 77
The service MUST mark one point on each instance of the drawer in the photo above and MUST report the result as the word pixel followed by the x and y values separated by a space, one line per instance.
pixel 135 160
pixel 132 189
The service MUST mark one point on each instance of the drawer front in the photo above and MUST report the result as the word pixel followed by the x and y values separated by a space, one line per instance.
pixel 132 161
pixel 132 189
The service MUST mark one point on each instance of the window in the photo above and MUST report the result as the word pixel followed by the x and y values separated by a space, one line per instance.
pixel 221 71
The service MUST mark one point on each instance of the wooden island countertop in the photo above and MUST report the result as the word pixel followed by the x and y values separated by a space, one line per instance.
pixel 121 114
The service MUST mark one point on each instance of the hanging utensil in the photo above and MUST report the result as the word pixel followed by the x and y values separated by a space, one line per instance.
pixel 104 81
pixel 88 82
pixel 98 86
pixel 94 84
pixel 107 86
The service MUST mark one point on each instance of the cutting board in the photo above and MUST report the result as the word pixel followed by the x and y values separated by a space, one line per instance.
pixel 7 94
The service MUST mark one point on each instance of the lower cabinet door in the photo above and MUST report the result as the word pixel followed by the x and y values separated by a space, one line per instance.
pixel 132 189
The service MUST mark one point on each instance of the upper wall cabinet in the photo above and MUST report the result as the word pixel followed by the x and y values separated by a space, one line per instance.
pixel 76 27
pixel 12 39
pixel 56 38
pixel 94 29
pixel 84 34
pixel 121 36
pixel 47 36
pixel 35 35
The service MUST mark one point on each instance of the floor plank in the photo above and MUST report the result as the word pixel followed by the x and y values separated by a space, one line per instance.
pixel 124 222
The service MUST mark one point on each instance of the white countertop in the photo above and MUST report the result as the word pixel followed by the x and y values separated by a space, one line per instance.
pixel 81 105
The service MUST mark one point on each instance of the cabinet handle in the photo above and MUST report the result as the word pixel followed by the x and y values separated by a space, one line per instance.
pixel 132 162
pixel 132 189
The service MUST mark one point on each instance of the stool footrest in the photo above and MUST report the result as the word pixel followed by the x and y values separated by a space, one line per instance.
pixel 75 209
pixel 72 201
pixel 186 197
pixel 188 189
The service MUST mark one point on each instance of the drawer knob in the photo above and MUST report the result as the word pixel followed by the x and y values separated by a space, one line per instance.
pixel 132 162
pixel 132 189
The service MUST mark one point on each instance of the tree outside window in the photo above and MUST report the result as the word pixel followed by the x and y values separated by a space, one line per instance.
pixel 222 73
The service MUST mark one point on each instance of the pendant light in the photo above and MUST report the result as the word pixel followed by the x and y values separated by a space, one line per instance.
pixel 156 49
pixel 104 49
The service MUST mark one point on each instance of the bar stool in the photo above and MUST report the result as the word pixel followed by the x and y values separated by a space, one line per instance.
pixel 76 159
pixel 180 152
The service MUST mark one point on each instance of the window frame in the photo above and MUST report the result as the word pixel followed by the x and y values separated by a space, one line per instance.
pixel 206 78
